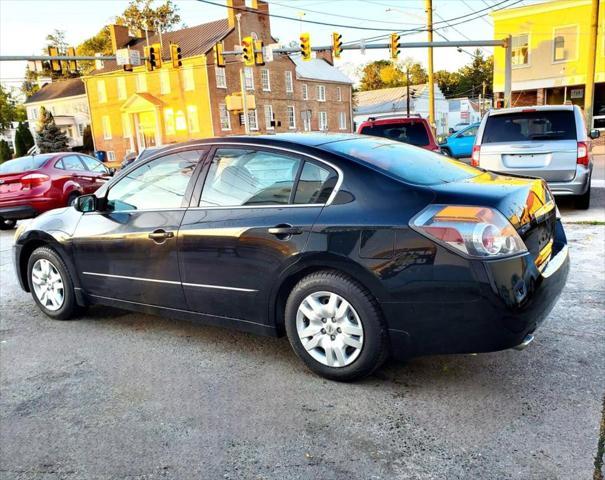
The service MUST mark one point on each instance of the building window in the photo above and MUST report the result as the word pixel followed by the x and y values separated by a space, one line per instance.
pixel 169 121
pixel 111 156
pixel 323 121
pixel 249 78
pixel 141 82
pixel 342 120
pixel 188 80
pixel 291 117
pixel 164 82
pixel 338 94
pixel 225 118
pixel 252 120
pixel 81 129
pixel 180 122
pixel 305 91
pixel 122 93
pixel 105 121
pixel 101 92
pixel 221 78
pixel 265 80
pixel 520 50
pixel 193 119
pixel 269 117
pixel 289 82
pixel 321 93
pixel 127 132
pixel 306 118
pixel 565 44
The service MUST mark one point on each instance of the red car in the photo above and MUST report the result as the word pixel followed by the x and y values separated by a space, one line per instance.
pixel 34 184
pixel 413 130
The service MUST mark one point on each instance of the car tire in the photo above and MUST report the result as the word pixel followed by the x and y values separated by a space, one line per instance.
pixel 583 201
pixel 351 352
pixel 7 223
pixel 446 152
pixel 51 285
pixel 71 199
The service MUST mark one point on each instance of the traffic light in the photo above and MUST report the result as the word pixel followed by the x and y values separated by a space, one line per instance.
pixel 55 65
pixel 394 46
pixel 219 58
pixel 157 49
pixel 259 58
pixel 175 55
pixel 72 64
pixel 305 46
pixel 149 53
pixel 248 51
pixel 336 44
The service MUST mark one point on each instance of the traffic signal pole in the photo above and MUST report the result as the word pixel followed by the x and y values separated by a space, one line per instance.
pixel 590 68
pixel 429 28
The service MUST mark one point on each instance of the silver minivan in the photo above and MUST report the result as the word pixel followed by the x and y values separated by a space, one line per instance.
pixel 549 141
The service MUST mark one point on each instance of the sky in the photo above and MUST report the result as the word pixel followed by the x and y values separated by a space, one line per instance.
pixel 24 25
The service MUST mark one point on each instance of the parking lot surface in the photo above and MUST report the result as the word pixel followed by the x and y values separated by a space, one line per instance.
pixel 118 395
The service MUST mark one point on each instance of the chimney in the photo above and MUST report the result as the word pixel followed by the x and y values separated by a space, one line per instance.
pixel 119 37
pixel 326 55
pixel 261 7
pixel 233 8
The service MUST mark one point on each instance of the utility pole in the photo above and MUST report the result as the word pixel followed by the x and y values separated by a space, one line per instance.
pixel 429 27
pixel 590 64
pixel 482 101
pixel 407 91
pixel 242 79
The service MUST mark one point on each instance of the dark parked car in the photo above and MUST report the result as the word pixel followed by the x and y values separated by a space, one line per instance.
pixel 413 130
pixel 355 246
pixel 34 184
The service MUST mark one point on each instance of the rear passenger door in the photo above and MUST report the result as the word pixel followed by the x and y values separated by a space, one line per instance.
pixel 255 211
pixel 75 167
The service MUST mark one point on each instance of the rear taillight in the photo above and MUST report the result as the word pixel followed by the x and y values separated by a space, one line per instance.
pixel 475 156
pixel 582 153
pixel 481 232
pixel 34 180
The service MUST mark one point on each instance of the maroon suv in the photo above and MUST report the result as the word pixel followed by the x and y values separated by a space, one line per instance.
pixel 34 184
pixel 413 130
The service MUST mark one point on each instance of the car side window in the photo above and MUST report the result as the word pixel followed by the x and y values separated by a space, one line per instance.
pixel 471 132
pixel 249 177
pixel 72 162
pixel 315 184
pixel 94 165
pixel 161 183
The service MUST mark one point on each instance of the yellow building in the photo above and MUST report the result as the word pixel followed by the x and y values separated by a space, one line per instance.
pixel 550 54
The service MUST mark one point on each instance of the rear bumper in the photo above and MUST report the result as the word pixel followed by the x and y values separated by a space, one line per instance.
pixel 578 186
pixel 513 299
pixel 17 212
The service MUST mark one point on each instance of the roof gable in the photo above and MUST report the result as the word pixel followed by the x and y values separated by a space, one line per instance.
pixel 61 89
pixel 319 70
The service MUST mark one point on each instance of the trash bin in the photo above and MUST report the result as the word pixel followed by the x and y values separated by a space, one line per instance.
pixel 101 155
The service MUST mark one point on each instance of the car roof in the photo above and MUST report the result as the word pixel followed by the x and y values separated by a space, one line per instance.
pixel 537 108
pixel 394 120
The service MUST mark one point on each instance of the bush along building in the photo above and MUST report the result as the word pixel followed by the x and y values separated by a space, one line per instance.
pixel 193 97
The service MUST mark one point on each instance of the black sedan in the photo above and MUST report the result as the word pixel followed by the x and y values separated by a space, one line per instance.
pixel 356 247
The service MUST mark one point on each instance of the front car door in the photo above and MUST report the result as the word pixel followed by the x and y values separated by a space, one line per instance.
pixel 75 167
pixel 99 173
pixel 127 251
pixel 254 215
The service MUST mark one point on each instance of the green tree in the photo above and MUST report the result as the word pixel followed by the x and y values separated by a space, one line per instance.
pixel 474 74
pixel 23 140
pixel 49 137
pixel 7 108
pixel 87 143
pixel 5 151
pixel 448 82
pixel 57 39
pixel 142 14
pixel 99 43
pixel 30 84
pixel 386 74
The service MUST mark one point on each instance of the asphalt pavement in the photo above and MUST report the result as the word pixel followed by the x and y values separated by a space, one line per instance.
pixel 119 395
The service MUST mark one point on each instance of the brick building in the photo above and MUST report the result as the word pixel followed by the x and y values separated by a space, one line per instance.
pixel 133 110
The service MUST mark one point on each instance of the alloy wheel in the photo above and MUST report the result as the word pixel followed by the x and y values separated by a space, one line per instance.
pixel 48 285
pixel 329 329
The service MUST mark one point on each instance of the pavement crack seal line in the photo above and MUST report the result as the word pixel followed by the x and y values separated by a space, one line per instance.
pixel 598 460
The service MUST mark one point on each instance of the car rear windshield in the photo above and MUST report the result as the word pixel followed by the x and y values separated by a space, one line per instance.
pixel 23 164
pixel 413 133
pixel 530 125
pixel 412 165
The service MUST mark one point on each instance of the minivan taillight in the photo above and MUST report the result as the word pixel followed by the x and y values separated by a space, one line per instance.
pixel 582 153
pixel 34 180
pixel 475 156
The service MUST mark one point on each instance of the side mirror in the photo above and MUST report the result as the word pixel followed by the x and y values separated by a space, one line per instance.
pixel 112 172
pixel 594 133
pixel 86 203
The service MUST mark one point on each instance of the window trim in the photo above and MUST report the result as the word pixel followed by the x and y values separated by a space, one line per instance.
pixel 553 48
pixel 262 86
pixel 293 125
pixel 289 81
pixel 320 88
pixel 523 65
pixel 223 76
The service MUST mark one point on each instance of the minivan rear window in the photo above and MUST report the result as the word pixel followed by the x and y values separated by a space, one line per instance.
pixel 530 125
pixel 23 164
pixel 413 133
pixel 412 165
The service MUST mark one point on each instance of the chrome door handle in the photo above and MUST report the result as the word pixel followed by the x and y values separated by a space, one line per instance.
pixel 285 230
pixel 160 235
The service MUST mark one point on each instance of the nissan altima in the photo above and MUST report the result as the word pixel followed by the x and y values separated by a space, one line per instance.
pixel 355 247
